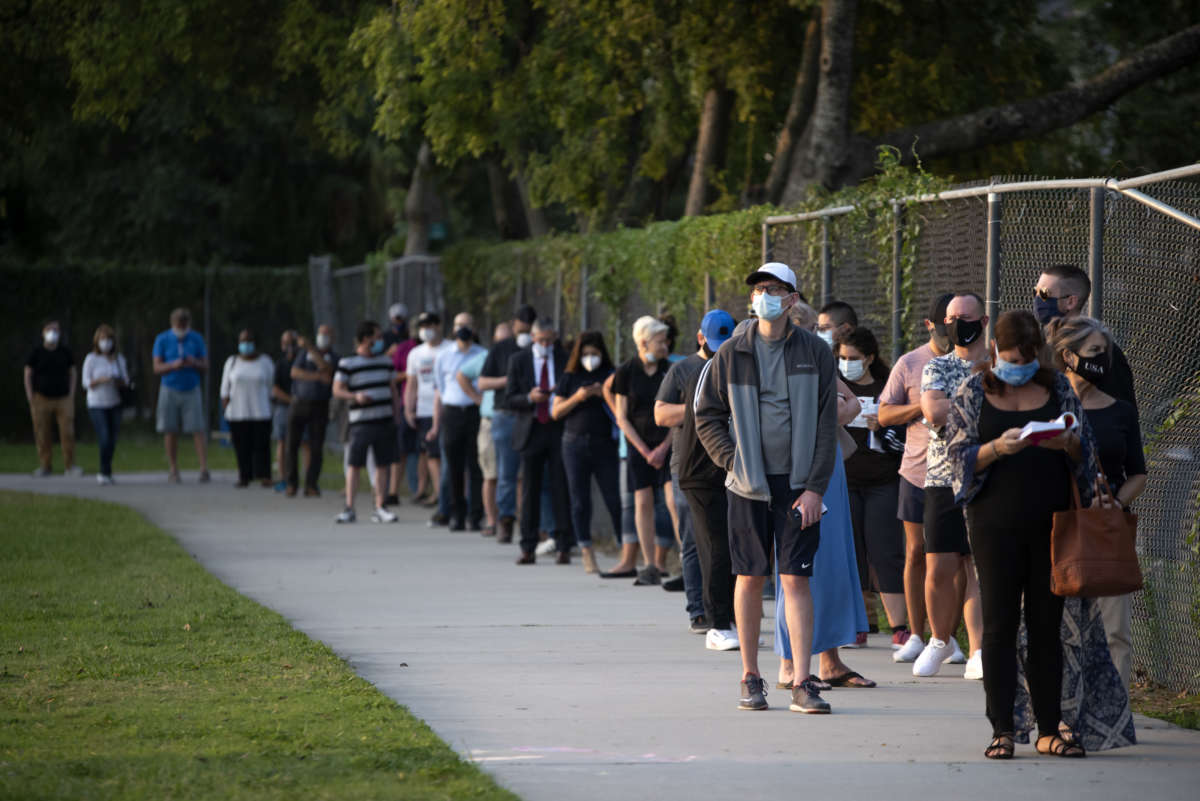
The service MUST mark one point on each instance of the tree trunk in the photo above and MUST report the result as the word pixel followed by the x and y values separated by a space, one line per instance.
pixel 823 154
pixel 804 93
pixel 508 207
pixel 535 218
pixel 710 146
pixel 418 206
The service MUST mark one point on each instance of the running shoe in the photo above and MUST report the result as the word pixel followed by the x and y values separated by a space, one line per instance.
pixel 754 693
pixel 721 640
pixel 805 698
pixel 347 516
pixel 699 625
pixel 911 649
pixel 899 638
pixel 382 515
pixel 931 659
pixel 956 658
pixel 974 669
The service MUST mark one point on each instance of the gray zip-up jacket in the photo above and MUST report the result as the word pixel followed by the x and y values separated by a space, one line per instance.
pixel 727 418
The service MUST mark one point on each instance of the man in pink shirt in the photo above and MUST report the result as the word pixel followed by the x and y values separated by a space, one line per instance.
pixel 900 404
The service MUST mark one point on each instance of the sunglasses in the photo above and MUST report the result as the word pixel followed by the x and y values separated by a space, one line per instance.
pixel 1042 294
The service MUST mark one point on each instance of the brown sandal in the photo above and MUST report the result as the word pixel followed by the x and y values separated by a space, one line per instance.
pixel 1059 747
pixel 1001 747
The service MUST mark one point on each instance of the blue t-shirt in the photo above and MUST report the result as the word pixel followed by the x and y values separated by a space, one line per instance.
pixel 169 347
pixel 472 368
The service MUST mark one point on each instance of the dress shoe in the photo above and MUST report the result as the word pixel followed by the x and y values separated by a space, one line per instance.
pixel 290 492
pixel 619 574
pixel 312 492
pixel 564 558
pixel 526 559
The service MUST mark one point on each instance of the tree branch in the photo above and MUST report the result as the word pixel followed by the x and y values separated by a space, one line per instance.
pixel 804 93
pixel 1026 119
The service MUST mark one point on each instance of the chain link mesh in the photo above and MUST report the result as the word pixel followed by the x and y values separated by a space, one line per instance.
pixel 1150 296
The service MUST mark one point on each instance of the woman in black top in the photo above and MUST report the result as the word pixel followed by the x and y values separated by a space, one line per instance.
pixel 873 478
pixel 589 448
pixel 1083 347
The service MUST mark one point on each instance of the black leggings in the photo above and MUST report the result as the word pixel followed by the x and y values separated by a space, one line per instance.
pixel 1013 562
pixel 252 446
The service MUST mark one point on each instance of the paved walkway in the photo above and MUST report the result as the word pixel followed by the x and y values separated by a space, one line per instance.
pixel 564 686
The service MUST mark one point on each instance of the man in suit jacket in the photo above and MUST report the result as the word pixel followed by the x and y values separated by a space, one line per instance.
pixel 532 375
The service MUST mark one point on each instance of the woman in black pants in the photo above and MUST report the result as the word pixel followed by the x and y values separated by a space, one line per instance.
pixel 1012 490
pixel 247 384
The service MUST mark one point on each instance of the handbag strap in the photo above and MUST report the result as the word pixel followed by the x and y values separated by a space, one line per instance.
pixel 1076 501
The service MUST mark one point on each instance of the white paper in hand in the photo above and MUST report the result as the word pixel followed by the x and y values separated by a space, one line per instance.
pixel 1035 431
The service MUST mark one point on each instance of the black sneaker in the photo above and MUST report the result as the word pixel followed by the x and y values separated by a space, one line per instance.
pixel 673 584
pixel 438 521
pixel 347 516
pixel 391 500
pixel 457 525
pixel 754 693
pixel 699 625
pixel 648 577
pixel 805 698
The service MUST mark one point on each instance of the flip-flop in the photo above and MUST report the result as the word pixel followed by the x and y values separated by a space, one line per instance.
pixel 847 680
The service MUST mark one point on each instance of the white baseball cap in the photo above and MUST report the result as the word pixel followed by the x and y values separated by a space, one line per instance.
pixel 773 269
pixel 398 311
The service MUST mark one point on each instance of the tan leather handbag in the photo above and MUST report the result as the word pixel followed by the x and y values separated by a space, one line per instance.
pixel 1092 551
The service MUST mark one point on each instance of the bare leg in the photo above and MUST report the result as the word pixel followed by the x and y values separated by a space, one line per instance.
pixel 747 604
pixel 643 511
pixel 669 495
pixel 489 502
pixel 351 486
pixel 171 443
pixel 830 664
pixel 941 596
pixel 422 474
pixel 381 486
pixel 972 607
pixel 200 438
pixel 434 470
pixel 798 609
pixel 785 671
pixel 914 576
pixel 893 607
pixel 629 555
pixel 397 473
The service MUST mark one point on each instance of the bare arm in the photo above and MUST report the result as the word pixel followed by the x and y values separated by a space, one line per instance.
pixel 29 384
pixel 626 426
pixel 1131 489
pixel 848 405
pixel 342 391
pixel 898 414
pixel 162 368
pixel 668 415
pixel 935 406
pixel 492 382
pixel 410 401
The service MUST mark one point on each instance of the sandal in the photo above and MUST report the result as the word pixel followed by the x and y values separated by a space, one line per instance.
pixel 1001 747
pixel 1059 747
pixel 850 679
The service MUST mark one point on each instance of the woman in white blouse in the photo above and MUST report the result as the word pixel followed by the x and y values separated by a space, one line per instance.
pixel 104 374
pixel 246 385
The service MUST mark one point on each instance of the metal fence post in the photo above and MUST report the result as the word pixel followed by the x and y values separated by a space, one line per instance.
pixel 1096 254
pixel 993 261
pixel 897 279
pixel 826 263
pixel 710 299
pixel 766 243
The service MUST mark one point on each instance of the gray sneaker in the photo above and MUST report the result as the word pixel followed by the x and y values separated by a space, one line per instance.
pixel 805 698
pixel 347 516
pixel 42 472
pixel 754 693
pixel 648 577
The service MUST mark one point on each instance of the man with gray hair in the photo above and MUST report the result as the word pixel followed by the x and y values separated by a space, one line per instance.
pixel 456 419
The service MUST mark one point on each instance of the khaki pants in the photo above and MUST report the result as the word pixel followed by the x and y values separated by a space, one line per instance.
pixel 1117 612
pixel 46 411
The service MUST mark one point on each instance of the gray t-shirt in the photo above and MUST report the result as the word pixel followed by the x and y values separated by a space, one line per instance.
pixel 671 391
pixel 774 412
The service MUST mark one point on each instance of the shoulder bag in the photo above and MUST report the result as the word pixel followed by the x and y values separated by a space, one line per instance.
pixel 1092 551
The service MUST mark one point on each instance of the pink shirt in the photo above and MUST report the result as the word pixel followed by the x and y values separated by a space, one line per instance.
pixel 904 388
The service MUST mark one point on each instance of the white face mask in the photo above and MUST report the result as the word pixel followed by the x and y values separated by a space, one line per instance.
pixel 323 341
pixel 50 337
pixel 105 345
pixel 649 358
pixel 523 339
pixel 827 335
pixel 590 362
pixel 541 351
pixel 853 369
pixel 427 334
pixel 180 332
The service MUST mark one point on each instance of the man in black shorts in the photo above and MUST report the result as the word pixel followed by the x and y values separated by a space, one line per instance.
pixel 766 412
pixel 365 380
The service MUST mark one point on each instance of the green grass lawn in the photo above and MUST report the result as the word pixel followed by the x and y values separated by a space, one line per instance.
pixel 127 671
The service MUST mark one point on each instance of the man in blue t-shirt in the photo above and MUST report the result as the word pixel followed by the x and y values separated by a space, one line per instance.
pixel 179 357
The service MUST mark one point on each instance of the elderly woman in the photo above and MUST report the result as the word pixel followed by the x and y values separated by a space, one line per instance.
pixel 1083 348
pixel 246 385
pixel 1012 488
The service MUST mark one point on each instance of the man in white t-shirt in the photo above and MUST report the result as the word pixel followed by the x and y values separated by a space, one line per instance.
pixel 420 392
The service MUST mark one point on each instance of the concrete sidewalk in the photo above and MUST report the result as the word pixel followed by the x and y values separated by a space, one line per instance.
pixel 564 686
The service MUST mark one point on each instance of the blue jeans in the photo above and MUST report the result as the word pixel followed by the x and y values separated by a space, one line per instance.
pixel 693 578
pixel 583 458
pixel 508 464
pixel 107 423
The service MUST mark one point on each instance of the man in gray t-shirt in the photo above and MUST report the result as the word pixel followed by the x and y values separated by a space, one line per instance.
pixel 775 414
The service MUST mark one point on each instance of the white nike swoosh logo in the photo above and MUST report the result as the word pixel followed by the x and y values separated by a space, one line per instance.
pixel 806 566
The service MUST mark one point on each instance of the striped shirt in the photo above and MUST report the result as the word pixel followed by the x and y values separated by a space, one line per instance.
pixel 373 376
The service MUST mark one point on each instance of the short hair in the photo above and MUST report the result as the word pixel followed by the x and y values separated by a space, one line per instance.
pixel 979 300
pixel 247 330
pixel 646 326
pixel 1075 278
pixel 863 341
pixel 365 330
pixel 181 315
pixel 1018 329
pixel 1069 333
pixel 428 318
pixel 544 324
pixel 841 311
pixel 526 314
pixel 596 340
pixel 937 308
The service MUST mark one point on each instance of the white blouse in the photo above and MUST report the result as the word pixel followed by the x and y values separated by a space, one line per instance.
pixel 246 384
pixel 97 365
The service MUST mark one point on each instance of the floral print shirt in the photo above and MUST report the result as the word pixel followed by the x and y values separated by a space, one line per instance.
pixel 945 373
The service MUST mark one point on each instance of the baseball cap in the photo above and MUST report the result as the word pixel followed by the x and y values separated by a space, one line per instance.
pixel 428 318
pixel 398 311
pixel 776 270
pixel 526 314
pixel 717 326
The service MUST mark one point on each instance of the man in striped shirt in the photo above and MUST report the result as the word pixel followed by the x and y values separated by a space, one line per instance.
pixel 365 380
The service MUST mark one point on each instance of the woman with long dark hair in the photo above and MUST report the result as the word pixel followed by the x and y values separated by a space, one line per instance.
pixel 589 447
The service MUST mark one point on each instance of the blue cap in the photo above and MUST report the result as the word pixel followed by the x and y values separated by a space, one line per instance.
pixel 717 326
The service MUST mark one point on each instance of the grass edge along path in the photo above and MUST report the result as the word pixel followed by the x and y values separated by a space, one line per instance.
pixel 128 671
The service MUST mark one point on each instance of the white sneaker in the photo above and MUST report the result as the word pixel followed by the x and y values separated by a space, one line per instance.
pixel 721 640
pixel 974 667
pixel 75 471
pixel 104 480
pixel 956 658
pixel 546 547
pixel 382 515
pixel 910 650
pixel 931 659
pixel 42 472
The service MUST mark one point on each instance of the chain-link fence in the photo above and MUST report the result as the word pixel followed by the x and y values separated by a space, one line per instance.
pixel 346 296
pixel 1145 264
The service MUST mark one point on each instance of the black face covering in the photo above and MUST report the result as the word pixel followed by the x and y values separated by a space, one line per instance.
pixel 1093 368
pixel 964 332
pixel 708 352
pixel 400 330
pixel 464 333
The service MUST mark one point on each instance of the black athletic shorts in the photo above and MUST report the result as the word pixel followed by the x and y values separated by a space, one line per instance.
pixel 756 528
pixel 406 437
pixel 911 506
pixel 945 525
pixel 379 436
pixel 640 474
pixel 429 447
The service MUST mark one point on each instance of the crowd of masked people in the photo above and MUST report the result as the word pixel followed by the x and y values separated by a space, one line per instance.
pixel 782 455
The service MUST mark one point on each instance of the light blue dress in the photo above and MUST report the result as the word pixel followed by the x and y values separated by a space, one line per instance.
pixel 838 611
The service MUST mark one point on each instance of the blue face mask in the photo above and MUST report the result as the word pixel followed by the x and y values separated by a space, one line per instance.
pixel 1015 375
pixel 245 348
pixel 767 306
pixel 377 347
pixel 1046 310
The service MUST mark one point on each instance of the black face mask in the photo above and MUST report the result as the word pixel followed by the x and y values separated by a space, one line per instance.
pixel 964 332
pixel 400 330
pixel 1093 368
pixel 708 352
pixel 464 333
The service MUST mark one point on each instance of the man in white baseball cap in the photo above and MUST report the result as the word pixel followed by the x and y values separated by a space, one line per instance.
pixel 773 271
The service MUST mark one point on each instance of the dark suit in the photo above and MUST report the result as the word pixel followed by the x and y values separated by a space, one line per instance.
pixel 540 446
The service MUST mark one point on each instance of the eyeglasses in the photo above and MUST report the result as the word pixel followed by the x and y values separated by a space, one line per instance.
pixel 778 290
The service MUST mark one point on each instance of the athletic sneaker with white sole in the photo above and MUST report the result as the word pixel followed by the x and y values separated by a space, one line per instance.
pixel 931 659
pixel 382 515
pixel 546 547
pixel 347 516
pixel 721 640
pixel 974 669
pixel 956 658
pixel 911 649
